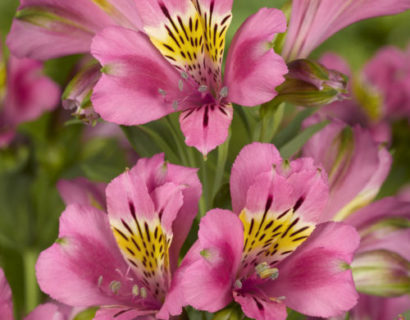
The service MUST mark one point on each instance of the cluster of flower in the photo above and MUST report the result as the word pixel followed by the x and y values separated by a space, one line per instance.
pixel 304 234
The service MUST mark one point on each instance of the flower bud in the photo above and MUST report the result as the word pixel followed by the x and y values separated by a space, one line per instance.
pixel 77 95
pixel 382 273
pixel 310 84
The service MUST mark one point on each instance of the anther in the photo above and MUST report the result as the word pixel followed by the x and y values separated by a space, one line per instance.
pixel 264 271
pixel 238 284
pixel 100 280
pixel 115 286
pixel 224 92
pixel 143 292
pixel 184 75
pixel 175 105
pixel 135 290
pixel 203 88
pixel 162 92
pixel 180 85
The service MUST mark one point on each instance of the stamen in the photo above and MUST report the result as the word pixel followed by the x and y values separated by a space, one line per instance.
pixel 184 75
pixel 203 88
pixel 180 85
pixel 115 286
pixel 175 105
pixel 224 92
pixel 264 271
pixel 135 290
pixel 278 299
pixel 100 280
pixel 238 284
pixel 143 292
pixel 162 92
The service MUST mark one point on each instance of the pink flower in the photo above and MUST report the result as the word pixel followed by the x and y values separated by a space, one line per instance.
pixel 43 312
pixel 176 66
pixel 25 93
pixel 45 29
pixel 357 166
pixel 275 255
pixel 389 72
pixel 123 261
pixel 313 21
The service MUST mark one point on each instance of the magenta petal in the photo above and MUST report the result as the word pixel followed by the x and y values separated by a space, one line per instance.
pixel 206 127
pixel 82 191
pixel 253 70
pixel 315 279
pixel 6 303
pixel 207 283
pixel 123 314
pixel 138 85
pixel 247 167
pixel 78 269
pixel 261 309
pixel 312 22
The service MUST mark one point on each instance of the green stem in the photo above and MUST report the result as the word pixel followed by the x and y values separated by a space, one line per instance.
pixel 204 201
pixel 32 292
pixel 180 147
pixel 220 166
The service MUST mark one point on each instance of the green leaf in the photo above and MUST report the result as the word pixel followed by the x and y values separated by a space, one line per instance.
pixel 294 145
pixel 292 128
pixel 87 314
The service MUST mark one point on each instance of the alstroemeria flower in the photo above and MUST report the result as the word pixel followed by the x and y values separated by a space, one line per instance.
pixel 357 166
pixel 124 261
pixel 25 93
pixel 45 29
pixel 275 255
pixel 45 311
pixel 177 66
pixel 313 21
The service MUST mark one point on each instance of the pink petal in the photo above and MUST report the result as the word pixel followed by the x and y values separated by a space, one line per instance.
pixel 48 311
pixel 247 167
pixel 6 303
pixel 29 93
pixel 356 164
pixel 138 84
pixel 315 280
pixel 61 28
pixel 333 61
pixel 78 269
pixel 206 127
pixel 253 70
pixel 312 22
pixel 123 314
pixel 261 309
pixel 82 191
pixel 208 280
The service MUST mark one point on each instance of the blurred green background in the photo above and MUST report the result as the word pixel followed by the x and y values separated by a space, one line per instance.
pixel 52 150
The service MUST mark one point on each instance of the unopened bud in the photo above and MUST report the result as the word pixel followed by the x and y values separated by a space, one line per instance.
pixel 381 273
pixel 310 84
pixel 229 313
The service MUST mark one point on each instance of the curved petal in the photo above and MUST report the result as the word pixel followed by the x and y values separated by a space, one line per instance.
pixel 49 311
pixel 65 27
pixel 259 308
pixel 208 280
pixel 206 127
pixel 312 22
pixel 123 314
pixel 253 70
pixel 80 267
pixel 6 303
pixel 315 279
pixel 247 167
pixel 138 85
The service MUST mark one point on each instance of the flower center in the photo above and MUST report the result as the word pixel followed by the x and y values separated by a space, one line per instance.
pixel 270 236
